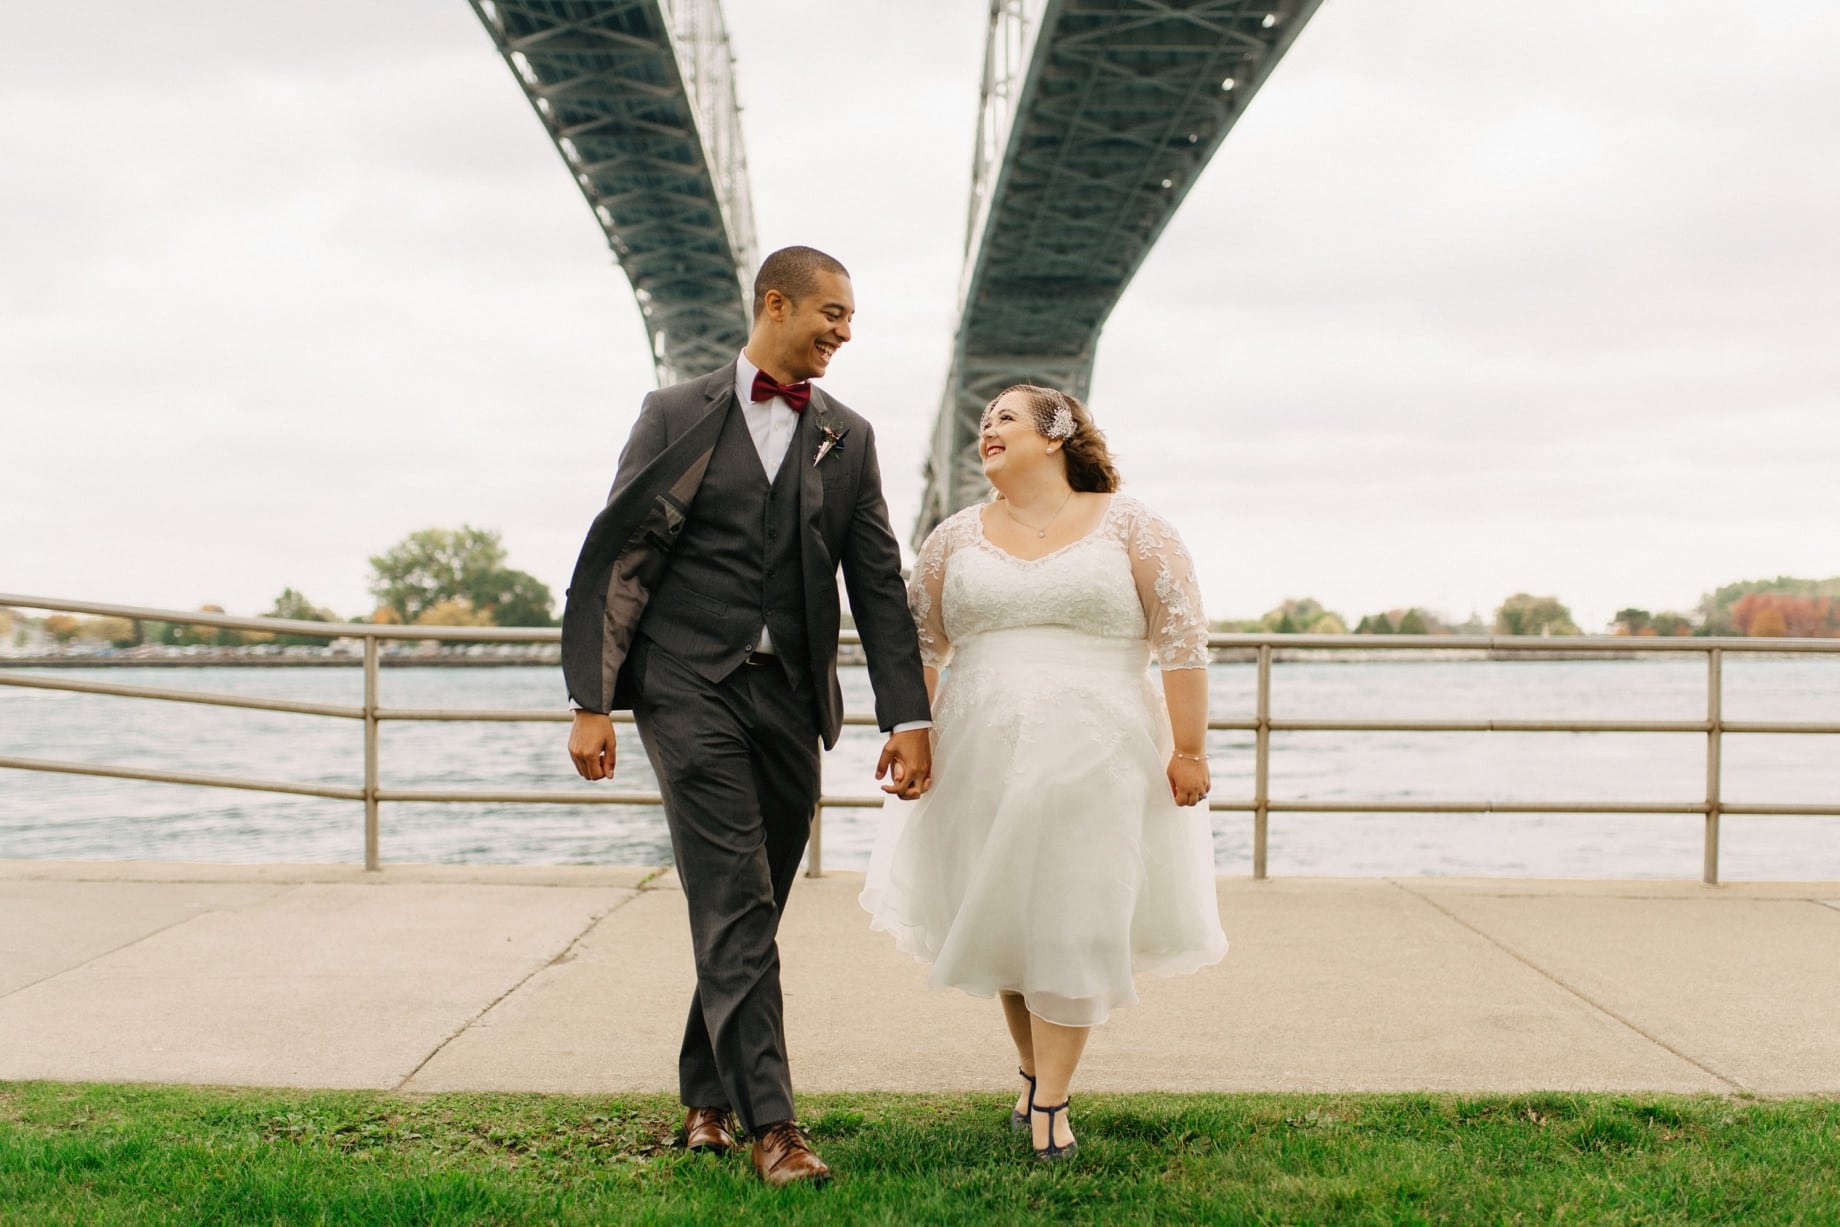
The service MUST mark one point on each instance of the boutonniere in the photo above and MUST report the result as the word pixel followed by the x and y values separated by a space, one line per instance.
pixel 830 439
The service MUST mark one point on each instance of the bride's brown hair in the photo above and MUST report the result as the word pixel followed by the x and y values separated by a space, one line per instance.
pixel 1089 460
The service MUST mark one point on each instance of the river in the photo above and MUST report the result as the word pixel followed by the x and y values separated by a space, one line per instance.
pixel 74 817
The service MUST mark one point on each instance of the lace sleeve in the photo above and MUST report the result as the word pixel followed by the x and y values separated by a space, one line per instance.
pixel 924 588
pixel 1166 583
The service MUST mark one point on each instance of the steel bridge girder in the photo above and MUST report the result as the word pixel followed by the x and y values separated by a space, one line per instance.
pixel 638 99
pixel 1087 145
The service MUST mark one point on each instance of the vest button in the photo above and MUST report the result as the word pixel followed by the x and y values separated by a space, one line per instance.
pixel 773 534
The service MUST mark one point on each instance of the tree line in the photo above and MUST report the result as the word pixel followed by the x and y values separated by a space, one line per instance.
pixel 462 577
pixel 1784 606
pixel 434 577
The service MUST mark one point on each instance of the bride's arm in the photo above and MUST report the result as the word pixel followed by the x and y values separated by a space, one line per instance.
pixel 1185 691
pixel 926 601
pixel 1178 633
pixel 932 684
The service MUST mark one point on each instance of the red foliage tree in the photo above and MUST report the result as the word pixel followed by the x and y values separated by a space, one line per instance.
pixel 1800 617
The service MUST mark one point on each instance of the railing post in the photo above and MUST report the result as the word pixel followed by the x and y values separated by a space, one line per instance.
pixel 814 844
pixel 1261 777
pixel 814 848
pixel 370 753
pixel 1715 728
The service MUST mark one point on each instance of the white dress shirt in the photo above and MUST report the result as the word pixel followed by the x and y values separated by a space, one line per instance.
pixel 772 423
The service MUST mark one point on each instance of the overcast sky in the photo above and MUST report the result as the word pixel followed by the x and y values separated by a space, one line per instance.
pixel 1477 298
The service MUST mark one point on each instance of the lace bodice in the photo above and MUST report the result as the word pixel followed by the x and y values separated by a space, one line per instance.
pixel 1130 578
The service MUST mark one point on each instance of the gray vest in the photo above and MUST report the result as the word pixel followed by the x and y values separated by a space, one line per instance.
pixel 735 567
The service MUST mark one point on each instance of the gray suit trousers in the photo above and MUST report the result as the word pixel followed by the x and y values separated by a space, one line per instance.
pixel 737 764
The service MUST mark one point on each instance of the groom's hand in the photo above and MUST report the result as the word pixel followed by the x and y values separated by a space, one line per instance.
pixel 907 761
pixel 591 745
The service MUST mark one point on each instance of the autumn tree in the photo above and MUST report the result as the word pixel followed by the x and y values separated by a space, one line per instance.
pixel 1766 621
pixel 220 636
pixel 1640 622
pixel 188 634
pixel 1524 614
pixel 456 612
pixel 1302 614
pixel 1633 621
pixel 295 607
pixel 1774 613
pixel 117 632
pixel 62 627
pixel 436 565
pixel 1717 608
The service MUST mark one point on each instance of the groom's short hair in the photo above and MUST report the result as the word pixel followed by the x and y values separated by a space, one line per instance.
pixel 793 271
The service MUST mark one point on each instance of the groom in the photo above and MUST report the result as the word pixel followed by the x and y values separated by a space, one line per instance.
pixel 705 600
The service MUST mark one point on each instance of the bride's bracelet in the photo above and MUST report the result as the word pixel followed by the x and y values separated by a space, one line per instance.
pixel 1193 758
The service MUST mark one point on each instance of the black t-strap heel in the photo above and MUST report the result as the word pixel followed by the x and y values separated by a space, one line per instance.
pixel 1020 1120
pixel 1051 1152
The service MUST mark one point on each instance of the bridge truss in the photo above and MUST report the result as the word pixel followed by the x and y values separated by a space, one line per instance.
pixel 1097 117
pixel 639 98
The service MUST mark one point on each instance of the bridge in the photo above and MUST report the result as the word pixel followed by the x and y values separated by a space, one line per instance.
pixel 1097 117
pixel 639 98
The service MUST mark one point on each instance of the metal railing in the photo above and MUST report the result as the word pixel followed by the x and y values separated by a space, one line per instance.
pixel 1262 724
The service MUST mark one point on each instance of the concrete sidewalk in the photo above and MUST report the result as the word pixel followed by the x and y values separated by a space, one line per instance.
pixel 433 978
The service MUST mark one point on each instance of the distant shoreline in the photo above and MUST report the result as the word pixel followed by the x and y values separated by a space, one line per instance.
pixel 269 662
pixel 848 656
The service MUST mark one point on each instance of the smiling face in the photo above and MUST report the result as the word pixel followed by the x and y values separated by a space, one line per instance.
pixel 796 339
pixel 1008 440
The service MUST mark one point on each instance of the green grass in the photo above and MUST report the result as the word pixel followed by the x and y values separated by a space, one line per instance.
pixel 134 1154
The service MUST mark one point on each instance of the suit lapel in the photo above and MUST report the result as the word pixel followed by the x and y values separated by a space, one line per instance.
pixel 719 398
pixel 805 446
pixel 695 446
pixel 815 561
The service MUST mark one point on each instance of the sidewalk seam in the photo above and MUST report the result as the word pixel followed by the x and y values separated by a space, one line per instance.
pixel 1573 990
pixel 135 941
pixel 560 956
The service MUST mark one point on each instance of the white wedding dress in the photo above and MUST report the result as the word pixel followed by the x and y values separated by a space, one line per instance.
pixel 1049 858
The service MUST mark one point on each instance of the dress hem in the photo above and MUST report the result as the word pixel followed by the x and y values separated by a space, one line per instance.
pixel 1167 969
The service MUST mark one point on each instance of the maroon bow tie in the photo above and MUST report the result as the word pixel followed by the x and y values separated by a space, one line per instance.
pixel 796 395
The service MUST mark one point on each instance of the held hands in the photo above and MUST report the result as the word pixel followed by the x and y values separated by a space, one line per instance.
pixel 1189 780
pixel 907 761
pixel 591 745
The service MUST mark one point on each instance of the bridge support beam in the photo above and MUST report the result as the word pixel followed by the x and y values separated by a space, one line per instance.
pixel 639 98
pixel 1097 118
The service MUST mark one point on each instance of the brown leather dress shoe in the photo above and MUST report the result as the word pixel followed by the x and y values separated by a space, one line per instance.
pixel 783 1155
pixel 709 1131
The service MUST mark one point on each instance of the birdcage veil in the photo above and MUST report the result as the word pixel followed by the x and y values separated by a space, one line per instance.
pixel 1052 412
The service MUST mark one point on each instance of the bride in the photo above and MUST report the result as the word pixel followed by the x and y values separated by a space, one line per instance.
pixel 1052 859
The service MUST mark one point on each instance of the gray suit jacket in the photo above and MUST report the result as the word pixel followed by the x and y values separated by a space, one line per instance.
pixel 844 524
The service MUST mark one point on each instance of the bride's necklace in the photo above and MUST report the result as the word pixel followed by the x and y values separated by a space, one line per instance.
pixel 1042 530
